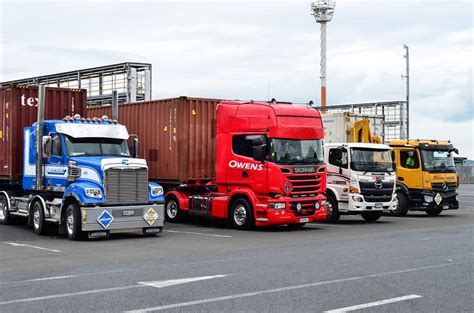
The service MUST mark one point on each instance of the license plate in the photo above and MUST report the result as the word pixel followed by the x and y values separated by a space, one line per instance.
pixel 304 220
pixel 445 207
pixel 378 205
pixel 128 212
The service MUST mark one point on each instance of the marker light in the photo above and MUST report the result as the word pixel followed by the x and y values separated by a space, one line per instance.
pixel 77 117
pixel 105 118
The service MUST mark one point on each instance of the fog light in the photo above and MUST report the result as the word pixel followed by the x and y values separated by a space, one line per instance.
pixel 428 199
pixel 357 199
pixel 277 206
pixel 317 205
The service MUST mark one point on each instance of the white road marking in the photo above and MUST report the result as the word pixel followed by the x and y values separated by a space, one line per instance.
pixel 30 246
pixel 157 284
pixel 288 288
pixel 172 282
pixel 194 233
pixel 375 303
pixel 51 278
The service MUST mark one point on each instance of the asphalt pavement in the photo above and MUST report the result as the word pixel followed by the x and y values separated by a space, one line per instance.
pixel 412 264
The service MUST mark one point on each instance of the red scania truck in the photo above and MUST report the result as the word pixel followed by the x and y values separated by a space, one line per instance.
pixel 253 163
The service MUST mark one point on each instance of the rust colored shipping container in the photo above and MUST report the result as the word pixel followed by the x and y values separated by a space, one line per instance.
pixel 18 110
pixel 177 136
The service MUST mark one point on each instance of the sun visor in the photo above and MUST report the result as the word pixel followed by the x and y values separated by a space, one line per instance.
pixel 77 130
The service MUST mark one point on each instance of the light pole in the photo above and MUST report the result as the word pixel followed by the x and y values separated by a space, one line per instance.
pixel 323 10
pixel 407 80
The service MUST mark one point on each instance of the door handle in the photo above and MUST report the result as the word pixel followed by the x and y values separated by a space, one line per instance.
pixel 401 178
pixel 245 174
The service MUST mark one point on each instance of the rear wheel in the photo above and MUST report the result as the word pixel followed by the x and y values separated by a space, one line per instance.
pixel 434 212
pixel 371 216
pixel 173 213
pixel 4 213
pixel 241 214
pixel 332 213
pixel 38 217
pixel 73 222
pixel 402 205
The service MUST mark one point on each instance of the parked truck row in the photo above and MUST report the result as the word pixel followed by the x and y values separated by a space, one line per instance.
pixel 249 162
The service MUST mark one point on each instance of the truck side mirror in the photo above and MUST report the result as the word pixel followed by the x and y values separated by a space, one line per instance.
pixel 47 143
pixel 259 153
pixel 135 147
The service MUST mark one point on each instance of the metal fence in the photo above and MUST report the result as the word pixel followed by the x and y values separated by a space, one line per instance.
pixel 395 113
pixel 132 81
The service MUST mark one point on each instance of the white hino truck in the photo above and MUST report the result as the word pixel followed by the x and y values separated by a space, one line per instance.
pixel 360 173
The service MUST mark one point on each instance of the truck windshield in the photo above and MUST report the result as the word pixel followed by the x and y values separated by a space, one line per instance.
pixel 371 160
pixel 437 160
pixel 96 147
pixel 289 151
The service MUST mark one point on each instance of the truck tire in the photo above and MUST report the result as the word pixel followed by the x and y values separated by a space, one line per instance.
pixel 241 214
pixel 371 216
pixel 332 214
pixel 402 206
pixel 73 222
pixel 172 212
pixel 435 212
pixel 4 213
pixel 37 216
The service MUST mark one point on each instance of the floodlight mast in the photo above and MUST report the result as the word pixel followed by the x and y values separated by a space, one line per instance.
pixel 323 10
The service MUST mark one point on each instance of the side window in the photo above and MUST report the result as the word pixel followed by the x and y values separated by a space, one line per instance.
pixel 56 148
pixel 339 162
pixel 409 159
pixel 242 144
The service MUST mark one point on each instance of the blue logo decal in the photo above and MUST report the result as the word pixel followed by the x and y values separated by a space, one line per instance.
pixel 125 162
pixel 105 219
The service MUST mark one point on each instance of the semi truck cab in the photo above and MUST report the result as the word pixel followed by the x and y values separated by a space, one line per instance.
pixel 361 180
pixel 88 184
pixel 269 168
pixel 426 176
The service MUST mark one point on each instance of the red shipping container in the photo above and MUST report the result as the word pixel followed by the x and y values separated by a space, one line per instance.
pixel 177 136
pixel 18 110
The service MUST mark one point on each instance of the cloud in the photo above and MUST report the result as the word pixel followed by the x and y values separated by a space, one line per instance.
pixel 259 50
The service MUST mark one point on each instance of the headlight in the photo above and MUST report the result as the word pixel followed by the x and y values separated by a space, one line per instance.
pixel 357 199
pixel 277 206
pixel 428 198
pixel 93 193
pixel 156 191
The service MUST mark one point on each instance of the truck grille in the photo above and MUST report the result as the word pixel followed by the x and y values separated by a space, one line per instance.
pixel 307 208
pixel 372 194
pixel 304 185
pixel 443 187
pixel 126 185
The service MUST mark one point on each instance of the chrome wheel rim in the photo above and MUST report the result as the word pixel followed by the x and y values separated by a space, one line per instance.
pixel 240 215
pixel 70 222
pixel 172 209
pixel 3 210
pixel 36 217
pixel 329 208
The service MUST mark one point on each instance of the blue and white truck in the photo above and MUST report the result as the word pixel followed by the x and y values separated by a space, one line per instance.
pixel 84 180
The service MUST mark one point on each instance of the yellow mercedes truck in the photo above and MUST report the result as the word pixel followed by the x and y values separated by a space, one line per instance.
pixel 426 176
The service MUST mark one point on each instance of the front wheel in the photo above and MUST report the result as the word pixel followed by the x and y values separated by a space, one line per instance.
pixel 38 218
pixel 73 222
pixel 402 205
pixel 241 214
pixel 434 212
pixel 4 213
pixel 332 213
pixel 172 212
pixel 371 216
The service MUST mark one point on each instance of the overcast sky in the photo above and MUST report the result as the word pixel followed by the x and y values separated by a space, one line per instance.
pixel 246 49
